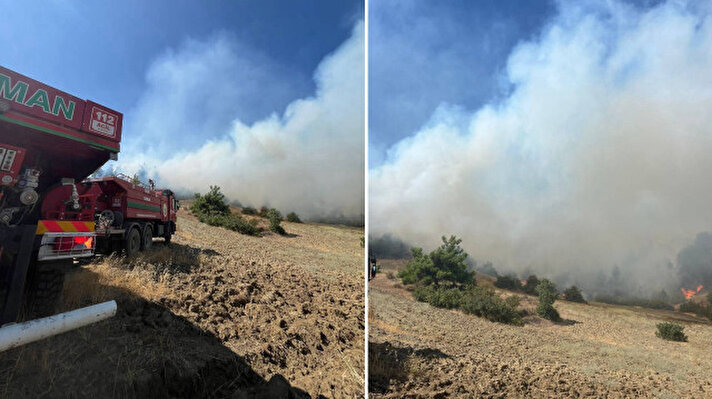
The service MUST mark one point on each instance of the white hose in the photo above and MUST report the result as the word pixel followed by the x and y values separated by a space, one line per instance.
pixel 14 335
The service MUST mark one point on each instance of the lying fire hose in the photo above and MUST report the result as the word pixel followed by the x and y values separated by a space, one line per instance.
pixel 14 335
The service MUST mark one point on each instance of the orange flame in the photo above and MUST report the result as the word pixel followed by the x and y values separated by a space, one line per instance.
pixel 690 293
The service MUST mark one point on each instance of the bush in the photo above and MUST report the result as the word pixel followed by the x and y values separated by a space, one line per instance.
pixel 249 211
pixel 236 223
pixel 573 294
pixel 513 301
pixel 508 282
pixel 231 222
pixel 212 203
pixel 263 212
pixel 671 332
pixel 275 218
pixel 696 308
pixel 547 296
pixel 211 209
pixel 483 302
pixel 293 217
pixel 445 265
pixel 530 286
pixel 448 298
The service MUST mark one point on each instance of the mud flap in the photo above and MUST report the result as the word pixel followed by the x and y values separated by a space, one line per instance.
pixel 14 272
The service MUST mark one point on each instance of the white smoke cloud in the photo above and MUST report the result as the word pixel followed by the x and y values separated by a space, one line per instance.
pixel 309 160
pixel 600 157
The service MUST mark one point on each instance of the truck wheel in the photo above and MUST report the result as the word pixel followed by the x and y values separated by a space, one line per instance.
pixel 147 238
pixel 133 242
pixel 168 233
pixel 44 292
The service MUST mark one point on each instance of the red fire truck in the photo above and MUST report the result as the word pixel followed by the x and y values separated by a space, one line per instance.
pixel 128 214
pixel 50 142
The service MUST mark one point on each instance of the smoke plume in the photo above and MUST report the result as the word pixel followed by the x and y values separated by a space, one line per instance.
pixel 309 160
pixel 596 163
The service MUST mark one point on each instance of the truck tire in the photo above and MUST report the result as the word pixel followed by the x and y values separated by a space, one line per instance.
pixel 132 244
pixel 147 238
pixel 168 232
pixel 44 291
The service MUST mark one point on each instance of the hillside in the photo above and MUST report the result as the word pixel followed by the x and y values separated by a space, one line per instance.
pixel 213 314
pixel 598 351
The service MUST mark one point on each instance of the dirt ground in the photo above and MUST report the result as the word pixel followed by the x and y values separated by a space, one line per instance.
pixel 213 314
pixel 418 351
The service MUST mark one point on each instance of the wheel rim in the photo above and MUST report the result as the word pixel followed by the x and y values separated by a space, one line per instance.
pixel 148 240
pixel 135 242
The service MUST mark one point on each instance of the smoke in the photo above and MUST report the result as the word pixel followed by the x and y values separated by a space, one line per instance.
pixel 597 163
pixel 387 246
pixel 309 159
pixel 696 262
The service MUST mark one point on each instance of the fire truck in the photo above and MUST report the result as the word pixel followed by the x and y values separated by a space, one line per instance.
pixel 50 213
pixel 127 213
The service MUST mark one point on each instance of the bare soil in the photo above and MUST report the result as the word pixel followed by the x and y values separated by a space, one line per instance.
pixel 213 314
pixel 418 351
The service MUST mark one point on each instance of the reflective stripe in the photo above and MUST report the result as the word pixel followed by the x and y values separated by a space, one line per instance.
pixel 61 226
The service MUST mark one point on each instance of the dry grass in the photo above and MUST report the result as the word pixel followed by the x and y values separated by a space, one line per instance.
pixel 612 348
pixel 143 275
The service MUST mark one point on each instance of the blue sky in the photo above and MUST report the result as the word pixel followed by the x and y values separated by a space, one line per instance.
pixel 426 53
pixel 102 50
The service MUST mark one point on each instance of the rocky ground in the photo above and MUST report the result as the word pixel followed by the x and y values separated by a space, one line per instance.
pixel 418 351
pixel 213 314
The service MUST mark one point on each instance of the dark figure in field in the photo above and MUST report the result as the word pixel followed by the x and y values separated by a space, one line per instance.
pixel 373 267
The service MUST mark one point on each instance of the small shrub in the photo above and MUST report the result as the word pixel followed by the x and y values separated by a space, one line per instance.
pixel 530 286
pixel 448 298
pixel 212 203
pixel 513 301
pixel 508 282
pixel 293 217
pixel 249 211
pixel 263 212
pixel 483 302
pixel 671 332
pixel 445 265
pixel 573 294
pixel 275 218
pixel 422 294
pixel 231 222
pixel 236 223
pixel 547 296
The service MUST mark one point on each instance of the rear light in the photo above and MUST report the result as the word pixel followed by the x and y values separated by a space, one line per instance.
pixel 66 245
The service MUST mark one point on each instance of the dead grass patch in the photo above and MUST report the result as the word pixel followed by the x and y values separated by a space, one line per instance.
pixel 103 282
